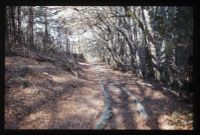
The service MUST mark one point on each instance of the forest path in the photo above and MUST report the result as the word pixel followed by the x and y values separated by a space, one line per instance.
pixel 124 110
pixel 134 103
pixel 40 95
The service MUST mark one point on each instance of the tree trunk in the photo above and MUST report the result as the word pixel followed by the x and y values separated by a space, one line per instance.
pixel 46 29
pixel 19 25
pixel 13 27
pixel 31 38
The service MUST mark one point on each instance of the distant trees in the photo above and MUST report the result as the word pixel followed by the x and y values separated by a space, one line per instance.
pixel 30 28
pixel 19 38
pixel 11 29
pixel 35 28
pixel 151 41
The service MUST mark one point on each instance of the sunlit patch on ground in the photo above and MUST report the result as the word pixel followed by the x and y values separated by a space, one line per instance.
pixel 176 121
pixel 37 120
pixel 28 96
pixel 59 79
pixel 65 109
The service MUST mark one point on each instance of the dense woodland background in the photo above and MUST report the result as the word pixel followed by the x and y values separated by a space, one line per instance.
pixel 149 42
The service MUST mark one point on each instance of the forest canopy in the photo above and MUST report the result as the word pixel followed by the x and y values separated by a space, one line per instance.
pixel 147 42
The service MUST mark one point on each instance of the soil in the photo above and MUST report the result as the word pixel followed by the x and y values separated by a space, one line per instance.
pixel 40 95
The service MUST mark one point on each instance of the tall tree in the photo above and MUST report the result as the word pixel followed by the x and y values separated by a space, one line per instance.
pixel 19 38
pixel 30 28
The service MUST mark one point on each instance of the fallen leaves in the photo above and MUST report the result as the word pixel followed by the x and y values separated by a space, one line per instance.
pixel 178 120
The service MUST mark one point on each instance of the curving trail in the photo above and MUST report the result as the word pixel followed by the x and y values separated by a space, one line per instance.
pixel 100 98
pixel 119 104
pixel 110 89
pixel 132 103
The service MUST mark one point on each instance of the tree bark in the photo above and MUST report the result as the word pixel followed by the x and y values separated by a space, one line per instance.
pixel 19 25
pixel 31 37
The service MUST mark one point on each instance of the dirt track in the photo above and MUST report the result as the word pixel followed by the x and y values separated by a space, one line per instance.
pixel 61 101
pixel 148 106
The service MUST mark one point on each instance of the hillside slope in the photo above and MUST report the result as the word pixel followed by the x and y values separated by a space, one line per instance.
pixel 42 94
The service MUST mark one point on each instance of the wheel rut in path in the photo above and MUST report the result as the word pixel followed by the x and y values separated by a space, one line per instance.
pixel 134 103
pixel 119 104
pixel 107 112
